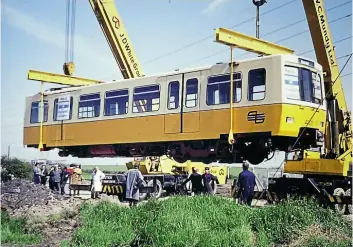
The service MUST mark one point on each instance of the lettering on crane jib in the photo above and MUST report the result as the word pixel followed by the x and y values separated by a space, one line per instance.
pixel 257 118
pixel 127 47
pixel 324 29
pixel 116 21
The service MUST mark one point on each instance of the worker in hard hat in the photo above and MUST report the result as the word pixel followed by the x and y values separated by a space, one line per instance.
pixel 246 184
pixel 96 182
pixel 208 179
pixel 196 181
pixel 134 180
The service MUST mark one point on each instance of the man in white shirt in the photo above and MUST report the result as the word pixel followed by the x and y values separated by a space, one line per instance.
pixel 96 182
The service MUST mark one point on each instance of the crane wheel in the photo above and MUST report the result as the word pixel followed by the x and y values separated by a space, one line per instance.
pixel 348 193
pixel 158 193
pixel 143 195
pixel 340 208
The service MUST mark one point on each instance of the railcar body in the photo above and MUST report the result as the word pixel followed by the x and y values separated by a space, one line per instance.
pixel 186 114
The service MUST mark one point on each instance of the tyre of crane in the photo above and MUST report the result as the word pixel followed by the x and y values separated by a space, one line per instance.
pixel 158 193
pixel 340 208
pixel 348 193
pixel 143 195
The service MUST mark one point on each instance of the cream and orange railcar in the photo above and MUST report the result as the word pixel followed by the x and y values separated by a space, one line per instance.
pixel 185 114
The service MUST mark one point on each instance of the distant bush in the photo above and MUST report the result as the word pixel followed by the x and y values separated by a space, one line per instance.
pixel 209 221
pixel 14 167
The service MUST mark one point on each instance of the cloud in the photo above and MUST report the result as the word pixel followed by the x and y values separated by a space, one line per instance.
pixel 52 35
pixel 213 5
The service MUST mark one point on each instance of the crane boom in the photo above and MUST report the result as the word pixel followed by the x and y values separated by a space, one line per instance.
pixel 339 138
pixel 116 35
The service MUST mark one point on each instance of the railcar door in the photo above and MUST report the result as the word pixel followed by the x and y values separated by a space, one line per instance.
pixel 172 117
pixel 190 110
pixel 62 111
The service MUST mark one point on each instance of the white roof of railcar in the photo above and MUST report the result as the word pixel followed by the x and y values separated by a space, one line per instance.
pixel 170 73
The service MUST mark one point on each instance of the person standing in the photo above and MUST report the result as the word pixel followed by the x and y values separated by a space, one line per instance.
pixel 43 175
pixel 96 182
pixel 56 174
pixel 246 184
pixel 64 177
pixel 51 178
pixel 76 178
pixel 208 179
pixel 196 181
pixel 36 174
pixel 134 180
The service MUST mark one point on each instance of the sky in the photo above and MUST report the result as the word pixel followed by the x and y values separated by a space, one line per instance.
pixel 166 35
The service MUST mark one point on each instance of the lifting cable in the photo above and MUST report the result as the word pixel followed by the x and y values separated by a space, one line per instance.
pixel 316 110
pixel 70 30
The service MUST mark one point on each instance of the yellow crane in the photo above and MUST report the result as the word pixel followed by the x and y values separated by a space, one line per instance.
pixel 327 175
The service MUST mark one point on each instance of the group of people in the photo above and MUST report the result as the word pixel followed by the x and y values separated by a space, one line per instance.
pixel 201 183
pixel 58 177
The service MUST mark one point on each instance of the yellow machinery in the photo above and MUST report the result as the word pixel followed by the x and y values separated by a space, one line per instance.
pixel 164 165
pixel 163 173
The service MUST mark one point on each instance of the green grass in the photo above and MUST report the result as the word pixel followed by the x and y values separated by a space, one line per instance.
pixel 208 222
pixel 14 231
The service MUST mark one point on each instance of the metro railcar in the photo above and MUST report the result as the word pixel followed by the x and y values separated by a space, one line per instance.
pixel 186 114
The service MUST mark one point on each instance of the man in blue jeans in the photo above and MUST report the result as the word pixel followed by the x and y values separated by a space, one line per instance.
pixel 246 184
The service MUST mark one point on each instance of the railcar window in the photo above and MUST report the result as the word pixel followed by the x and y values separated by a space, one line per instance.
pixel 59 106
pixel 173 95
pixel 317 95
pixel 218 89
pixel 291 80
pixel 116 102
pixel 146 99
pixel 35 111
pixel 302 84
pixel 191 92
pixel 89 106
pixel 257 84
pixel 307 86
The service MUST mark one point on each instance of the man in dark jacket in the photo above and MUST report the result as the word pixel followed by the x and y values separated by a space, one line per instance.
pixel 55 176
pixel 43 175
pixel 196 181
pixel 208 179
pixel 246 184
pixel 64 177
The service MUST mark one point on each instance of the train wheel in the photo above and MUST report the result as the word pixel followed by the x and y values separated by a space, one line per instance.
pixel 340 208
pixel 158 193
pixel 348 193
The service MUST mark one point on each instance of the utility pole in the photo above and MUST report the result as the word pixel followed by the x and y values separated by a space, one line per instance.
pixel 8 151
pixel 258 4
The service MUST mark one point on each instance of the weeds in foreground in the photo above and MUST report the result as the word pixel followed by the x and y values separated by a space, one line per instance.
pixel 13 230
pixel 208 221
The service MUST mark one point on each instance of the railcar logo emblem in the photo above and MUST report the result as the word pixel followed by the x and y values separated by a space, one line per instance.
pixel 257 118
pixel 221 172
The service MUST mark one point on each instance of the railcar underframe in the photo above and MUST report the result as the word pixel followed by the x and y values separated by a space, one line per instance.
pixel 253 147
